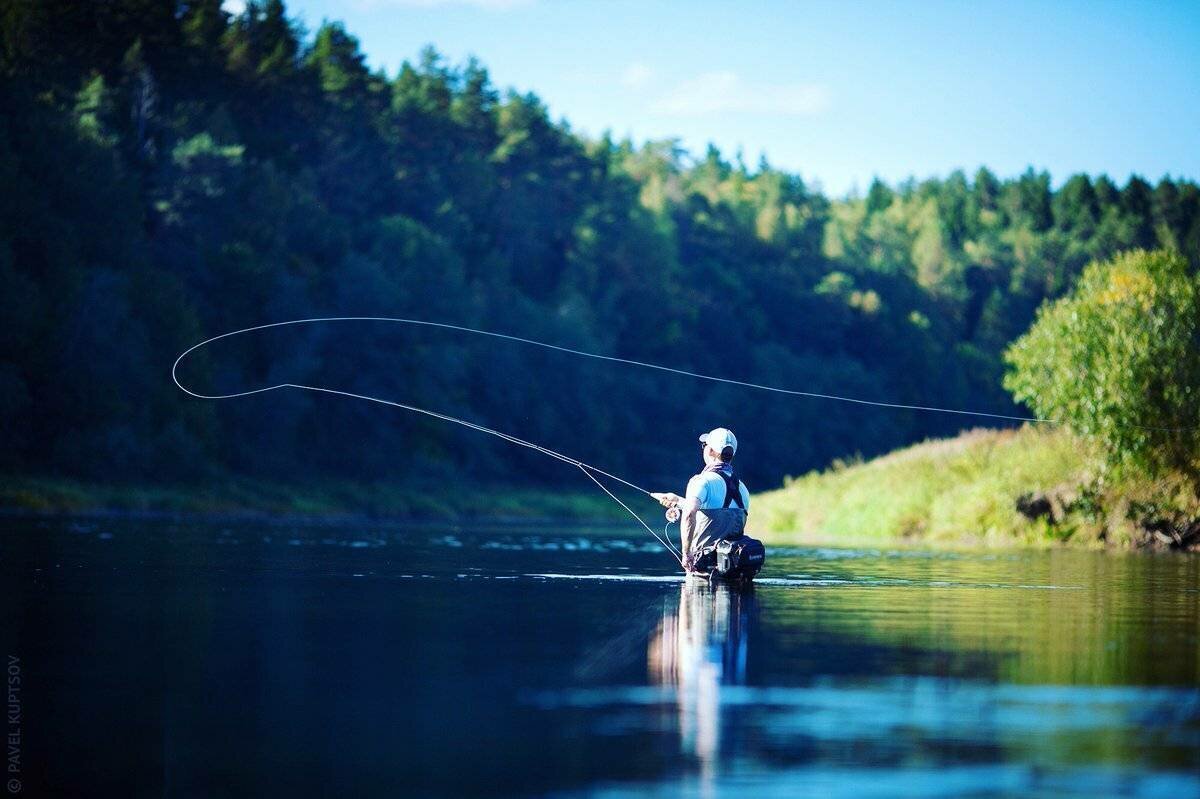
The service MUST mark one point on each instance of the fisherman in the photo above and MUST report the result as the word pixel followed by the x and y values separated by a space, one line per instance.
pixel 715 505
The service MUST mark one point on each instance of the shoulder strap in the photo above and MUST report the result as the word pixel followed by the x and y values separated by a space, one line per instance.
pixel 733 491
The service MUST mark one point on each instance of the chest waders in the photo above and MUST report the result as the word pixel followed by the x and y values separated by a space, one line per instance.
pixel 720 547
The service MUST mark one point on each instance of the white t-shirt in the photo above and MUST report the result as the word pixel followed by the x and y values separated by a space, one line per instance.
pixel 708 489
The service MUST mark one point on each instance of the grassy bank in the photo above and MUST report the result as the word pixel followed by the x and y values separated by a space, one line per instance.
pixel 250 497
pixel 966 491
pixel 1032 487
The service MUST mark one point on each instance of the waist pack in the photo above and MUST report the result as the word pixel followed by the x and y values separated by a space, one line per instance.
pixel 734 558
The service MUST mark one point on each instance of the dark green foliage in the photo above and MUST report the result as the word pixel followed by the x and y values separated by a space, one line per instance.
pixel 171 172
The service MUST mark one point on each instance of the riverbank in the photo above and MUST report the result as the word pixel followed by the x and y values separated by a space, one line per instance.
pixel 1027 488
pixel 237 497
pixel 1031 487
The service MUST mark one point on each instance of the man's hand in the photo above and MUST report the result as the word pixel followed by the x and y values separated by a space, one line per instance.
pixel 668 499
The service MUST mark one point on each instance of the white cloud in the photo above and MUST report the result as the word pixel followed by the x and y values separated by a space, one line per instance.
pixel 489 5
pixel 724 92
pixel 636 75
pixel 234 7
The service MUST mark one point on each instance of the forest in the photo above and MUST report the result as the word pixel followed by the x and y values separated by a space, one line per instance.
pixel 172 172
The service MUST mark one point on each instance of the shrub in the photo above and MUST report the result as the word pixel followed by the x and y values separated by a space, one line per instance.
pixel 1118 360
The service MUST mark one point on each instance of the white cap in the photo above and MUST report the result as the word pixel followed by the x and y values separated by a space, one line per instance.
pixel 719 438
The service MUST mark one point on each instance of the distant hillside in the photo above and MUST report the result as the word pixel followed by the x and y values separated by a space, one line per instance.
pixel 170 171
pixel 1033 486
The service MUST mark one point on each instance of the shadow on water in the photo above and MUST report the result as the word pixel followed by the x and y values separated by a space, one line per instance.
pixel 195 660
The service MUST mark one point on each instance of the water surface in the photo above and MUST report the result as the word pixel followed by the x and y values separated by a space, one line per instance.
pixel 161 658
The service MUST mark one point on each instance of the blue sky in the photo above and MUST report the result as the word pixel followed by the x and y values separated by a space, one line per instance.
pixel 838 92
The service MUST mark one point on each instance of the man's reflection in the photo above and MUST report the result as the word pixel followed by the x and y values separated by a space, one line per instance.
pixel 699 646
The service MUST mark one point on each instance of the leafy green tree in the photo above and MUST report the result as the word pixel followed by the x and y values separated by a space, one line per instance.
pixel 1026 201
pixel 879 196
pixel 1075 206
pixel 1137 201
pixel 1119 360
pixel 340 65
pixel 953 199
pixel 985 191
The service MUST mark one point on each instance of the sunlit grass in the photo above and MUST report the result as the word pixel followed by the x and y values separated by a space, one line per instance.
pixel 960 490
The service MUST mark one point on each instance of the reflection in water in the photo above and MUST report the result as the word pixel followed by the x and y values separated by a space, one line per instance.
pixel 699 646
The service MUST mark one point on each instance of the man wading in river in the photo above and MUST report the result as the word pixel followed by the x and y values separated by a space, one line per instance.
pixel 713 515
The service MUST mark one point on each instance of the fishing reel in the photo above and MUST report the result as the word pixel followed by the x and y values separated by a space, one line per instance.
pixel 673 514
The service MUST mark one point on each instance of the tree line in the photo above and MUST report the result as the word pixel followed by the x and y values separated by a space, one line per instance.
pixel 172 172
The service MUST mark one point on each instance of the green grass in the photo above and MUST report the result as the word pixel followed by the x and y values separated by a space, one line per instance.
pixel 944 492
pixel 962 492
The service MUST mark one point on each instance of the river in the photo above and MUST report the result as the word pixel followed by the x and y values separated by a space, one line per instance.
pixel 198 659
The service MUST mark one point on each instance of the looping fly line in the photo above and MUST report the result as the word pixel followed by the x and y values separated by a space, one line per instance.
pixel 599 357
pixel 587 469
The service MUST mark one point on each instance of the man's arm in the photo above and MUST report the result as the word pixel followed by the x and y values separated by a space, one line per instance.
pixel 687 524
